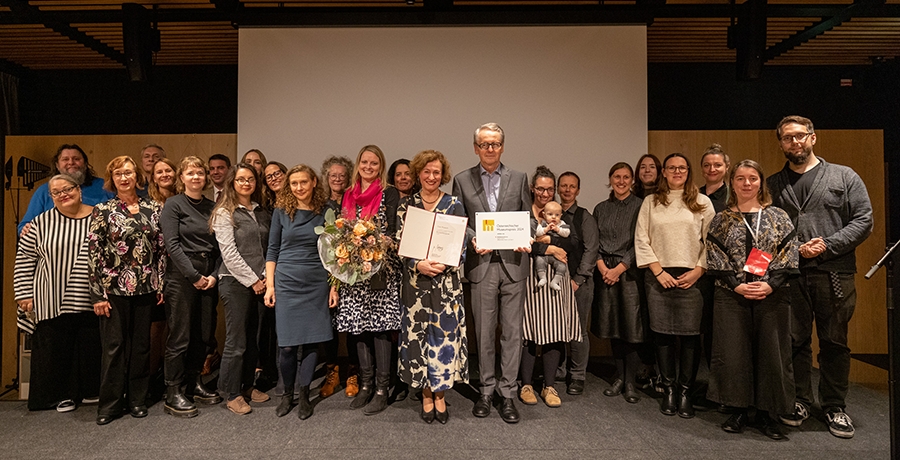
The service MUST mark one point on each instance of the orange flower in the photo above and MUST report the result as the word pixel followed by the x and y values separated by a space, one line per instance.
pixel 359 229
pixel 342 261
pixel 341 252
pixel 339 223
pixel 377 255
pixel 366 255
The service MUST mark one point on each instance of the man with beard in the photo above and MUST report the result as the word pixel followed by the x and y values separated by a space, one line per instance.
pixel 830 209
pixel 69 159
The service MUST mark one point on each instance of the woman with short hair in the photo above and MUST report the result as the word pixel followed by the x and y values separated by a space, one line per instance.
pixel 54 304
pixel 126 267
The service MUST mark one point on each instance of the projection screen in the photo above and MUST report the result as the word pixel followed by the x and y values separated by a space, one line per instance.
pixel 569 97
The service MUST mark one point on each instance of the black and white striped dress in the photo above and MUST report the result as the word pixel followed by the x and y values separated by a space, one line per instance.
pixel 550 315
pixel 52 267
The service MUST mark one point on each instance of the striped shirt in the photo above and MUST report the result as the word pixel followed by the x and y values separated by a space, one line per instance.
pixel 52 267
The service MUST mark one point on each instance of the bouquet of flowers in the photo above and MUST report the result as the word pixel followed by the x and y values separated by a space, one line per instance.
pixel 351 250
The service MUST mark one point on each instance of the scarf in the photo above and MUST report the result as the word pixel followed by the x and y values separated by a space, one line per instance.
pixel 370 200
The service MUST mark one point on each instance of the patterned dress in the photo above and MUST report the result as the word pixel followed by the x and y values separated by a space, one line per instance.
pixel 361 307
pixel 434 351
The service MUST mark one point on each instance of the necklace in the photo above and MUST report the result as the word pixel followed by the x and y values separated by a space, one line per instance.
pixel 193 200
pixel 432 201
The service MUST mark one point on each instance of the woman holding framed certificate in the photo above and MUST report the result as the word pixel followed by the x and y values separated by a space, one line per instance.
pixel 433 346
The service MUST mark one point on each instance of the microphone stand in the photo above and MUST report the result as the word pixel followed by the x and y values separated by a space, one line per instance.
pixel 893 331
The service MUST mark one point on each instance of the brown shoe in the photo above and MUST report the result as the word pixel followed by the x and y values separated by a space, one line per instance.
pixel 212 362
pixel 352 386
pixel 239 406
pixel 254 395
pixel 526 394
pixel 550 397
pixel 332 379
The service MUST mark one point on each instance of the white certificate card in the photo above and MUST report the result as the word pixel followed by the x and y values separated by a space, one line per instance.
pixel 433 236
pixel 503 230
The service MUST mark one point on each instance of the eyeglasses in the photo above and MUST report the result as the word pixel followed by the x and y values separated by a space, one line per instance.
pixel 123 175
pixel 544 191
pixel 337 176
pixel 245 180
pixel 801 138
pixel 490 145
pixel 274 175
pixel 63 191
pixel 677 169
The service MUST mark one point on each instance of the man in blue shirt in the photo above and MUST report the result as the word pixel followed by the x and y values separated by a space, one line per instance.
pixel 69 159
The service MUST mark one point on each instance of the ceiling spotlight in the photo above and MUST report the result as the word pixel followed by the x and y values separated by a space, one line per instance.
pixel 410 2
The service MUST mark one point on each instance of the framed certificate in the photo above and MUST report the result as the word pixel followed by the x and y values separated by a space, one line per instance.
pixel 503 230
pixel 433 236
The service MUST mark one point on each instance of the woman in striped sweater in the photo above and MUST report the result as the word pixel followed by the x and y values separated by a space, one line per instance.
pixel 54 302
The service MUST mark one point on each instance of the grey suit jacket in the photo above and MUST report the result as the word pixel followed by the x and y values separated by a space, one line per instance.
pixel 514 196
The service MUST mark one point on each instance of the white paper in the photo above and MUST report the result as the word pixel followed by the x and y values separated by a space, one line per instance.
pixel 433 236
pixel 503 230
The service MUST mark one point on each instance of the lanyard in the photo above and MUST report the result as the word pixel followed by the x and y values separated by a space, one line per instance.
pixel 752 233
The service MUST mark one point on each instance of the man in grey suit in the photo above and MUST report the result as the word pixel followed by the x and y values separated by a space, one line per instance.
pixel 497 277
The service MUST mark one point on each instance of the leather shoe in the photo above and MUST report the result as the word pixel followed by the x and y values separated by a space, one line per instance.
pixel 770 428
pixel 105 419
pixel 615 389
pixel 735 423
pixel 508 411
pixel 139 411
pixel 576 387
pixel 442 416
pixel 630 394
pixel 482 407
pixel 427 416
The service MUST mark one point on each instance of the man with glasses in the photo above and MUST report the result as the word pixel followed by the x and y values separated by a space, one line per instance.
pixel 69 159
pixel 832 215
pixel 497 277
pixel 218 170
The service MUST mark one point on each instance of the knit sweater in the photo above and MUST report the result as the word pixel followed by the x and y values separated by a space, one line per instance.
pixel 672 235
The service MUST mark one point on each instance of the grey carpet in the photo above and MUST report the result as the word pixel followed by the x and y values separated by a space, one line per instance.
pixel 588 426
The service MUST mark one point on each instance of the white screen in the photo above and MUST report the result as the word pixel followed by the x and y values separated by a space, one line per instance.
pixel 572 98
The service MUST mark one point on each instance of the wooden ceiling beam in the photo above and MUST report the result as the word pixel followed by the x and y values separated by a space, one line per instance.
pixel 21 8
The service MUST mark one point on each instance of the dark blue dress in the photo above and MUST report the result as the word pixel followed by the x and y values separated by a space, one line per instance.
pixel 301 283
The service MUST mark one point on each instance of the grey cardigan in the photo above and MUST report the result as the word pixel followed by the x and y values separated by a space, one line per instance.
pixel 837 209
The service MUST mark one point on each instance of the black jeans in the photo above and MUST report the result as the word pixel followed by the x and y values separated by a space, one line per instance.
pixel 241 327
pixel 191 317
pixel 125 366
pixel 815 297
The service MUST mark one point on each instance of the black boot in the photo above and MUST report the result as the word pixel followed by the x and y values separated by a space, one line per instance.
pixel 200 394
pixel 690 363
pixel 665 356
pixel 367 380
pixel 304 408
pixel 177 404
pixel 379 401
pixel 285 405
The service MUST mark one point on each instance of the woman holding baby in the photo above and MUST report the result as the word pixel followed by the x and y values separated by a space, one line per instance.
pixel 551 317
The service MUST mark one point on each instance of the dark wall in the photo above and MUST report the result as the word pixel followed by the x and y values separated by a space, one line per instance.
pixel 203 99
pixel 200 99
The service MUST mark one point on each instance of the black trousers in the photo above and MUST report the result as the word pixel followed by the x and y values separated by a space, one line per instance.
pixel 829 300
pixel 65 360
pixel 241 327
pixel 191 317
pixel 125 366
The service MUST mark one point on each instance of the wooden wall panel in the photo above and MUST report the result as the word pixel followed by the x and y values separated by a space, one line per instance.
pixel 862 150
pixel 100 149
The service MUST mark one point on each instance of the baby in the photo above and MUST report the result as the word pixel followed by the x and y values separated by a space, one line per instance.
pixel 551 222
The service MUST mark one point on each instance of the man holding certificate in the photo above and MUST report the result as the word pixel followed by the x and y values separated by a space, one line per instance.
pixel 497 275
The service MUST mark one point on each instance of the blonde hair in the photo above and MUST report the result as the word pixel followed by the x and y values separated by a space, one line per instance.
pixel 191 162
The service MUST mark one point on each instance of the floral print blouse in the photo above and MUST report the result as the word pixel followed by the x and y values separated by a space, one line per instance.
pixel 127 251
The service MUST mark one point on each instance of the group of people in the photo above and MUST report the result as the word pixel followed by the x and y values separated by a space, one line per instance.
pixel 738 270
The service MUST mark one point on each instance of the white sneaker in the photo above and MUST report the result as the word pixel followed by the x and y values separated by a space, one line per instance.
pixel 839 423
pixel 66 405
pixel 796 418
